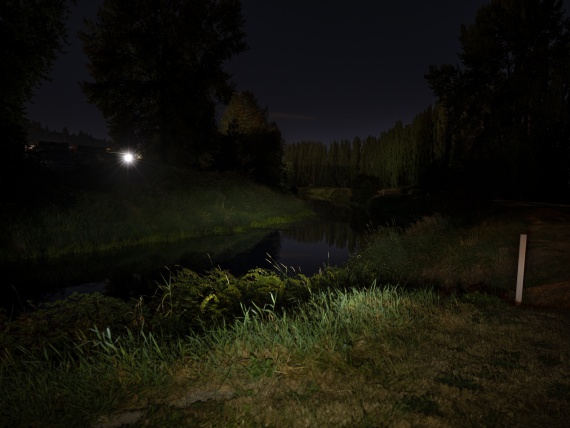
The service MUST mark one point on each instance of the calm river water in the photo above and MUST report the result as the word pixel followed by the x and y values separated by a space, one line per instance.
pixel 304 248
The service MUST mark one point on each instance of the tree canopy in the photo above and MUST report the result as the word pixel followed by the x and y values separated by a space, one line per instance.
pixel 250 142
pixel 31 35
pixel 157 68
pixel 508 103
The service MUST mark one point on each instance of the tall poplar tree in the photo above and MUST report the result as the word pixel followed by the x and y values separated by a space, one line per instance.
pixel 508 104
pixel 157 68
pixel 355 157
pixel 251 143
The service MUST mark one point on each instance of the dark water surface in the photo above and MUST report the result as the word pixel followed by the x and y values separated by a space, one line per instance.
pixel 303 248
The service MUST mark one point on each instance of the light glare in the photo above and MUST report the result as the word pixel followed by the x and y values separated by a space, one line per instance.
pixel 128 158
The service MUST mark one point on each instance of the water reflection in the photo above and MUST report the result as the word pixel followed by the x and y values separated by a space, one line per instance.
pixel 331 234
pixel 306 248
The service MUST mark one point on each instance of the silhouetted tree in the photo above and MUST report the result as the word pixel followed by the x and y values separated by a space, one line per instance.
pixel 250 142
pixel 355 157
pixel 31 35
pixel 508 105
pixel 334 164
pixel 158 71
pixel 345 155
pixel 36 132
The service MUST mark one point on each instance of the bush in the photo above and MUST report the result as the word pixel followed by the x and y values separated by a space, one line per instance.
pixel 190 301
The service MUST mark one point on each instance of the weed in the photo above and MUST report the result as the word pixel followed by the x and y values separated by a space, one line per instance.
pixel 264 367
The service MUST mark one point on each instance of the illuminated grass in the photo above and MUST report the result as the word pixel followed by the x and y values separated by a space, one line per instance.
pixel 167 208
pixel 351 358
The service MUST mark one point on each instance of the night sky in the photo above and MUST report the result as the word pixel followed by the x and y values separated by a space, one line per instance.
pixel 325 70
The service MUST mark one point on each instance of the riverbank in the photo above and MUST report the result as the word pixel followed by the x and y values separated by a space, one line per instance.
pixel 343 347
pixel 110 209
pixel 482 255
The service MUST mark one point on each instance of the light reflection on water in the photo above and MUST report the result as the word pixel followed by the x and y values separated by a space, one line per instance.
pixel 305 248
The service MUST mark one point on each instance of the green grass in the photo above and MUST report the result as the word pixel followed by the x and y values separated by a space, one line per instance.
pixel 434 251
pixel 341 348
pixel 481 256
pixel 369 357
pixel 67 387
pixel 153 205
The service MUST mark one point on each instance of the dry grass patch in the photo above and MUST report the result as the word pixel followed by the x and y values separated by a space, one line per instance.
pixel 555 295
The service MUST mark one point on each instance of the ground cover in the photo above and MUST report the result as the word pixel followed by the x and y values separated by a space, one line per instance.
pixel 479 255
pixel 341 348
pixel 62 215
pixel 379 358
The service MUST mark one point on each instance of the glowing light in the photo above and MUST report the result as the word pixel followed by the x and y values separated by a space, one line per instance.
pixel 128 158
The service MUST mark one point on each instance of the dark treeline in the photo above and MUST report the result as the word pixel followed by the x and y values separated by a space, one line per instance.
pixel 405 155
pixel 501 125
pixel 160 99
pixel 37 132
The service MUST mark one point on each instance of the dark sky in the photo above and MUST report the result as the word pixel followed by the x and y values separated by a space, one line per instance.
pixel 326 70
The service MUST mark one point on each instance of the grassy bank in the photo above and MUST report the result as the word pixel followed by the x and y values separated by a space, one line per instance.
pixel 478 256
pixel 374 357
pixel 345 347
pixel 149 204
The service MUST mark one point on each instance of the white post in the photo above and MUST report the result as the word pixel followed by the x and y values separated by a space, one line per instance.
pixel 520 274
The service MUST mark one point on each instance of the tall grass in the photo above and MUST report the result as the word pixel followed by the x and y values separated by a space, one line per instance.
pixel 359 357
pixel 435 251
pixel 101 371
pixel 330 322
pixel 164 207
pixel 73 384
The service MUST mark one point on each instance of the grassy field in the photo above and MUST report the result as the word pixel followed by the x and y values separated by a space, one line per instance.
pixel 376 358
pixel 477 256
pixel 417 330
pixel 112 209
